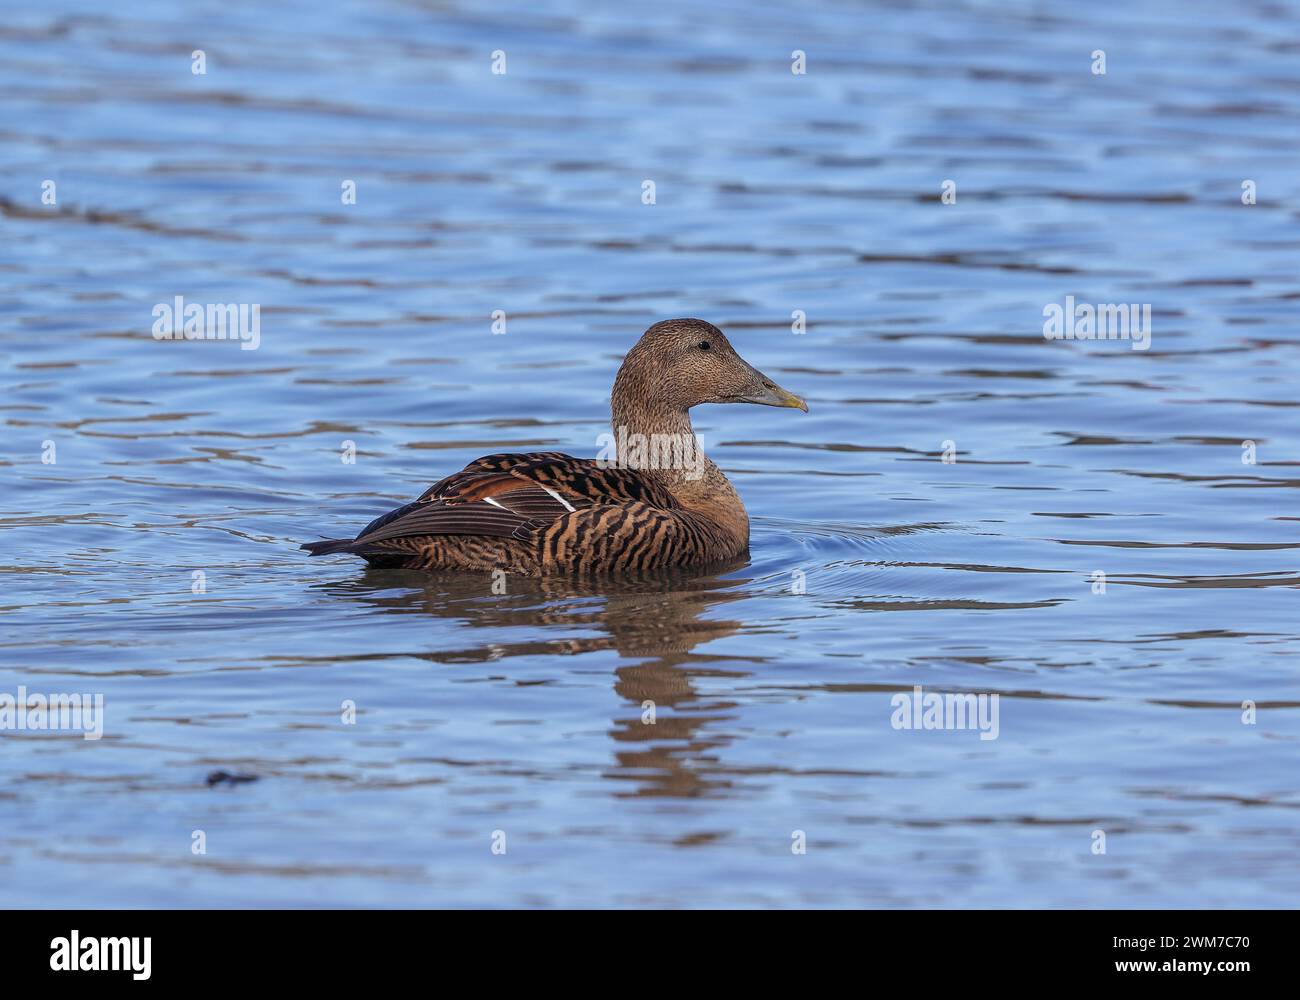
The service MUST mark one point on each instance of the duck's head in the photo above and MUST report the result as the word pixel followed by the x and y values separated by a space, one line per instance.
pixel 681 363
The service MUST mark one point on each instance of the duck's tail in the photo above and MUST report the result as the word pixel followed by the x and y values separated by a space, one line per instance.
pixel 375 557
pixel 328 546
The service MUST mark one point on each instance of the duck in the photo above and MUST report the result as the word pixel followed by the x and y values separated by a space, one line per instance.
pixel 652 500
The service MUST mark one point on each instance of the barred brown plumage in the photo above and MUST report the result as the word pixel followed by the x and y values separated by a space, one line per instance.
pixel 538 513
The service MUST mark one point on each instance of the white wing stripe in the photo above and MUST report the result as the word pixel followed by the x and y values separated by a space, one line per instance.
pixel 565 503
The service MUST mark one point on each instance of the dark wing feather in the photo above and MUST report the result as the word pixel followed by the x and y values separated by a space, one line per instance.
pixel 388 518
pixel 506 514
pixel 534 502
pixel 446 519
pixel 509 496
pixel 574 477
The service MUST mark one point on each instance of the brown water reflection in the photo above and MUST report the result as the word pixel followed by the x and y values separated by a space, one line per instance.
pixel 655 621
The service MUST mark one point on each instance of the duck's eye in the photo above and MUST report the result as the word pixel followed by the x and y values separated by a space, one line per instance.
pixel 703 345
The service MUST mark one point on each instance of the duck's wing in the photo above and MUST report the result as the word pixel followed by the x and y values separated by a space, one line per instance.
pixel 503 462
pixel 507 496
pixel 594 481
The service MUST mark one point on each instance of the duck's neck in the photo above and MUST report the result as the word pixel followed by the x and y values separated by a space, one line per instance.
pixel 658 440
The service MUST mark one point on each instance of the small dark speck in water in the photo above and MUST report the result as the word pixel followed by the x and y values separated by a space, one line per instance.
pixel 227 778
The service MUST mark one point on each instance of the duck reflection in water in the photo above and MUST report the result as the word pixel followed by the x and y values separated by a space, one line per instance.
pixel 656 619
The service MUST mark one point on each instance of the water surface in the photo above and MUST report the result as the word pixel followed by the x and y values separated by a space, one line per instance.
pixel 1120 711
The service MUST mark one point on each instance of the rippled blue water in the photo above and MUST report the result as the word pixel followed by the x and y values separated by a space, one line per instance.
pixel 1121 713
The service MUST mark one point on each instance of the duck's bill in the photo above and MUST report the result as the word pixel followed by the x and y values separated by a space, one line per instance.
pixel 771 394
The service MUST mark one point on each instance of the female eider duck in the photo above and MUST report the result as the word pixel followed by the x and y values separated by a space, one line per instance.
pixel 544 513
